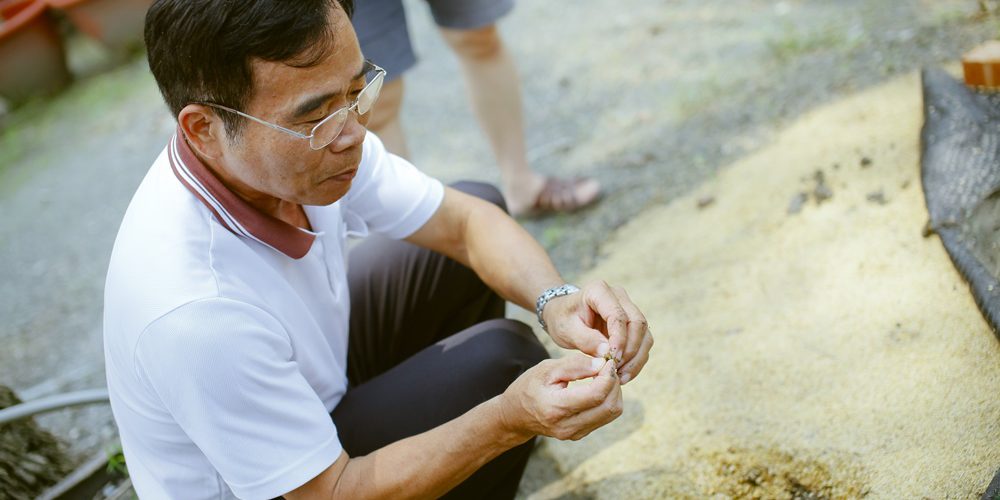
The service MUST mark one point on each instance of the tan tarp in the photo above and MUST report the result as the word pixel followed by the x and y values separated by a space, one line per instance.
pixel 833 351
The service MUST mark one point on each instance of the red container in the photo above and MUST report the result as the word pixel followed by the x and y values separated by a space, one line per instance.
pixel 118 24
pixel 32 58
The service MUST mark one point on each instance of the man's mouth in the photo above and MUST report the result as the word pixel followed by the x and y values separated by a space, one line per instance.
pixel 345 176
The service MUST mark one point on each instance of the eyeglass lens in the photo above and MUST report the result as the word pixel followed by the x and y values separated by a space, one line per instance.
pixel 329 129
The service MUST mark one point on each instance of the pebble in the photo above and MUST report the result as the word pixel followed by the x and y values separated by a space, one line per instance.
pixel 798 201
pixel 822 193
pixel 877 197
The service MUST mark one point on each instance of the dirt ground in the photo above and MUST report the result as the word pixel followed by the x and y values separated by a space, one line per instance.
pixel 811 342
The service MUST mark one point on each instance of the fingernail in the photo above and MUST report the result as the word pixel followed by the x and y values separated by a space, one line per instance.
pixel 596 363
pixel 625 378
pixel 603 349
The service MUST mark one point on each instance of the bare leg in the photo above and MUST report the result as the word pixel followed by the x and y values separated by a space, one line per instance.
pixel 385 118
pixel 494 89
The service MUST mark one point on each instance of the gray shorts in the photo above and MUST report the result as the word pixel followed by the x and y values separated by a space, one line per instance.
pixel 385 39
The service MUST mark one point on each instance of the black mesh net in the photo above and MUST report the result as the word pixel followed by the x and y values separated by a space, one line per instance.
pixel 960 171
pixel 961 176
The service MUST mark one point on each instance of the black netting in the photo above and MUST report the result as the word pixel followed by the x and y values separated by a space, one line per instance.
pixel 993 490
pixel 960 171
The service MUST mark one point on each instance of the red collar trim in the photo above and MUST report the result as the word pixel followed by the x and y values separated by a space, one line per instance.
pixel 238 216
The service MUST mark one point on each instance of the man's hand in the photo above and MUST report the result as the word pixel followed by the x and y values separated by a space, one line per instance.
pixel 601 320
pixel 541 401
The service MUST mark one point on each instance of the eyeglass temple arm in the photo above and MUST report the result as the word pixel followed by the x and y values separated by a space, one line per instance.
pixel 258 120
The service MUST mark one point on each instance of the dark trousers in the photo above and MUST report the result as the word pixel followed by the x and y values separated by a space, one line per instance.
pixel 427 343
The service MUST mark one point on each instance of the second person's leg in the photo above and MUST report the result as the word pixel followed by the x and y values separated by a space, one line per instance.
pixel 495 91
pixel 385 39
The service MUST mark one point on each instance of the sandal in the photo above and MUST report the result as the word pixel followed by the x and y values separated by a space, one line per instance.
pixel 564 195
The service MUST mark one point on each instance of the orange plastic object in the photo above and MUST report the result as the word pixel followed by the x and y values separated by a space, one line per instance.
pixel 982 66
pixel 116 23
pixel 32 58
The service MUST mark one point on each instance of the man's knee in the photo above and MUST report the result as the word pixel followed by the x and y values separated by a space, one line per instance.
pixel 480 44
pixel 482 190
pixel 505 349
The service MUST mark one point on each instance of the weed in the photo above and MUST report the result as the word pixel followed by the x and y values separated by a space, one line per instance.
pixel 116 460
pixel 32 126
pixel 552 234
pixel 793 43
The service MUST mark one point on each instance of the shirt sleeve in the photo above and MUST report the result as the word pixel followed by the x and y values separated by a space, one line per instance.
pixel 389 195
pixel 224 370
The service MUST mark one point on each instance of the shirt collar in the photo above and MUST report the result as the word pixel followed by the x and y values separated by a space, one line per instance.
pixel 235 214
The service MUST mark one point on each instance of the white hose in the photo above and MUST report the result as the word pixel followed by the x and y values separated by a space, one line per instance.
pixel 56 402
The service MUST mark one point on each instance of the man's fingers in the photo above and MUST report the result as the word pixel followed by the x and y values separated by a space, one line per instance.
pixel 633 367
pixel 584 395
pixel 574 366
pixel 599 297
pixel 589 341
pixel 583 423
pixel 637 327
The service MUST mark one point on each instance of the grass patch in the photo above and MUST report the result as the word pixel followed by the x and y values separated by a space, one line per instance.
pixel 46 123
pixel 793 43
pixel 554 232
pixel 949 16
pixel 698 96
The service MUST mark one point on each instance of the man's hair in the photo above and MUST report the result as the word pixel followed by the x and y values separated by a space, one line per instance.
pixel 201 50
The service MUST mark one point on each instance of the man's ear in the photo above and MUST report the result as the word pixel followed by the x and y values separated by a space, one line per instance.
pixel 204 130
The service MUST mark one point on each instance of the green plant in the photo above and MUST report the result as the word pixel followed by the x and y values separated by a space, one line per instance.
pixel 31 128
pixel 551 235
pixel 116 460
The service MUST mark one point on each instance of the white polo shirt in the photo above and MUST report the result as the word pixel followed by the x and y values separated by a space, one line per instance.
pixel 225 329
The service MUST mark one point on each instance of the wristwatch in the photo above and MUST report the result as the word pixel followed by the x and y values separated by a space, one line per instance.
pixel 547 295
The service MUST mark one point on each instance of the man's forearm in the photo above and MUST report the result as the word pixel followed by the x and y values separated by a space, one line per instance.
pixel 508 258
pixel 431 463
pixel 484 238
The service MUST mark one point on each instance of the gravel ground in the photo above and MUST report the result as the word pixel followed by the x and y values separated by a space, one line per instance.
pixel 654 99
pixel 651 101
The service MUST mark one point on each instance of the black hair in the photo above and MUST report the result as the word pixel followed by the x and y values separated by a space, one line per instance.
pixel 200 50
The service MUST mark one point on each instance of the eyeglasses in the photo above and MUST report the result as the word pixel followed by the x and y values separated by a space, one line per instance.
pixel 329 128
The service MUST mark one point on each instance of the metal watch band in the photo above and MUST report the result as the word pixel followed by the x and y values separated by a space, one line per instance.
pixel 547 295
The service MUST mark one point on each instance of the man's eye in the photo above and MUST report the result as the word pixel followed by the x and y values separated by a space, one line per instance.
pixel 311 123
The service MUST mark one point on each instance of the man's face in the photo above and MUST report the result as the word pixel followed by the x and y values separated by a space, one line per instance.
pixel 282 166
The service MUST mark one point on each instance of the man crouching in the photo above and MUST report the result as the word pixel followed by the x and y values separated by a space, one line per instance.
pixel 249 355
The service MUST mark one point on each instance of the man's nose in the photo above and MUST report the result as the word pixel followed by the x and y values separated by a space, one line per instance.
pixel 352 134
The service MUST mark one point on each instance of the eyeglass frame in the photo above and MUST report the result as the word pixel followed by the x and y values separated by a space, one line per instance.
pixel 379 74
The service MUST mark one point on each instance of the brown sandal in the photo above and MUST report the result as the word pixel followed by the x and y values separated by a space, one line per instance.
pixel 563 195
